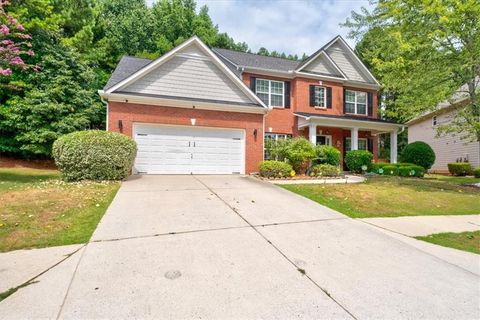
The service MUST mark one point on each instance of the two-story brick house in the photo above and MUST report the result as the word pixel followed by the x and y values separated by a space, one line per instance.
pixel 197 110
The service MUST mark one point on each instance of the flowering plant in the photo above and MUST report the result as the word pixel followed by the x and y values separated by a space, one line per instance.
pixel 14 43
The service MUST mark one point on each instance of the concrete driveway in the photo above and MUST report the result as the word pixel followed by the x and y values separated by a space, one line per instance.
pixel 216 247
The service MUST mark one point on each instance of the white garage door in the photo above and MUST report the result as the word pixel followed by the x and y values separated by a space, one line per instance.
pixel 164 149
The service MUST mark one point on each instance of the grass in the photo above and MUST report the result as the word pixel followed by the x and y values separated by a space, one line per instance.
pixel 39 210
pixel 466 241
pixel 395 196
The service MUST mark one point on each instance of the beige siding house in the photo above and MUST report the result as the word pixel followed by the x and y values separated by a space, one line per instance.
pixel 448 148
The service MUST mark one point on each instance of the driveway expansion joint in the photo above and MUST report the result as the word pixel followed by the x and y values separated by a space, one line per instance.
pixel 298 268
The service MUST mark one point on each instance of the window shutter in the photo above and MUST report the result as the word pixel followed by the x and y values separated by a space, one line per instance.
pixel 329 97
pixel 253 84
pixel 287 94
pixel 344 101
pixel 370 145
pixel 370 103
pixel 312 95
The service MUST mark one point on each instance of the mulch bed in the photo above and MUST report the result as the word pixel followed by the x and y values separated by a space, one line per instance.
pixel 8 162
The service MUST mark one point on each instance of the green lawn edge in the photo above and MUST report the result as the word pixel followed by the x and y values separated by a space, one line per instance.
pixel 466 241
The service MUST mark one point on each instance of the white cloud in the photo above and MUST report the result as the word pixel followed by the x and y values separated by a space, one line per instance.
pixel 290 26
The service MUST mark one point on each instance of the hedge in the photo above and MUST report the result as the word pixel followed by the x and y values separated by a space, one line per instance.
pixel 94 155
pixel 460 168
pixel 418 153
pixel 358 160
pixel 275 169
pixel 324 170
pixel 400 169
pixel 476 173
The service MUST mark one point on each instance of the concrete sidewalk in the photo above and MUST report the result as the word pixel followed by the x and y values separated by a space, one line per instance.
pixel 425 225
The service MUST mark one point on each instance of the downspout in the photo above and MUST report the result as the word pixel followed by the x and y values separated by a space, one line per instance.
pixel 101 93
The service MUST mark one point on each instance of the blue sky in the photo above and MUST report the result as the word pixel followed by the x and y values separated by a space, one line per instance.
pixel 290 26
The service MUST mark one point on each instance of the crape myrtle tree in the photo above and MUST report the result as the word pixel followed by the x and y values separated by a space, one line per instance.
pixel 423 51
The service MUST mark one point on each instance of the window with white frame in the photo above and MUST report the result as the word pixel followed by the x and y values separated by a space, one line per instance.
pixel 434 121
pixel 362 144
pixel 320 97
pixel 271 92
pixel 271 138
pixel 355 102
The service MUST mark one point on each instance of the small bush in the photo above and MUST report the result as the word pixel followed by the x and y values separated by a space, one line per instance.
pixel 275 169
pixel 358 160
pixel 390 170
pixel 298 153
pixel 460 168
pixel 324 170
pixel 476 173
pixel 411 171
pixel 94 155
pixel 418 153
pixel 327 155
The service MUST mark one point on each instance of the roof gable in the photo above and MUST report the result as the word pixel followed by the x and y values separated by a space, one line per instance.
pixel 343 59
pixel 323 65
pixel 190 71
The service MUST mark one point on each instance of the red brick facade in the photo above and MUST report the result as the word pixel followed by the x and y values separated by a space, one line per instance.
pixel 131 113
pixel 282 120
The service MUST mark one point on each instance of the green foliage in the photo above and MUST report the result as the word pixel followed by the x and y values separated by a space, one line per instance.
pixel 327 154
pixel 422 52
pixel 324 170
pixel 59 100
pixel 358 160
pixel 275 169
pixel 298 153
pixel 460 168
pixel 419 153
pixel 402 169
pixel 94 155
pixel 476 172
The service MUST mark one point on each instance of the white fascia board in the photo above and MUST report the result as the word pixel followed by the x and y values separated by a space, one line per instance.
pixel 357 59
pixel 177 103
pixel 362 85
pixel 172 53
pixel 349 123
pixel 269 72
pixel 318 76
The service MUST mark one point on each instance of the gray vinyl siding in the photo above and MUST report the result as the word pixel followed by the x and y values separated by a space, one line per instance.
pixel 342 59
pixel 189 77
pixel 319 65
pixel 447 148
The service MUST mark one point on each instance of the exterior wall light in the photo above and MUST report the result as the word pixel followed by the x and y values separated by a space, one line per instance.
pixel 193 120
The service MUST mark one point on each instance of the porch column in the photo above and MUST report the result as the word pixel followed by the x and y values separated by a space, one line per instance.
pixel 354 138
pixel 393 146
pixel 312 133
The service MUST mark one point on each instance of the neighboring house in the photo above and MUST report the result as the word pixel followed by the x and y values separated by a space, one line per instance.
pixel 197 110
pixel 448 148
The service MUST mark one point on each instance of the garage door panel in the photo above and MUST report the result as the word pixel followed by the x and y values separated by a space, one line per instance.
pixel 166 149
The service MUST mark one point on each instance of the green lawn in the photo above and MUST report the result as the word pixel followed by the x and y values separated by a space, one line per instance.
pixel 394 196
pixel 466 241
pixel 39 210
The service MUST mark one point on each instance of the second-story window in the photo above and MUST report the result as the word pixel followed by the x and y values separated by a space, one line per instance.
pixel 320 97
pixel 271 92
pixel 355 102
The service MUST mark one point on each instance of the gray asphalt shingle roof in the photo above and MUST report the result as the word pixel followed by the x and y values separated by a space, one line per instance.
pixel 243 59
pixel 125 68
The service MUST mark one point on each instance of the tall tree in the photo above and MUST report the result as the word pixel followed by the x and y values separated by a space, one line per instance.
pixel 423 51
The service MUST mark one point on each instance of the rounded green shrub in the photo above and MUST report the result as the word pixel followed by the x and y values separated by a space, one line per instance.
pixel 298 153
pixel 275 169
pixel 324 170
pixel 476 173
pixel 358 160
pixel 411 171
pixel 391 170
pixel 327 155
pixel 419 153
pixel 94 155
pixel 460 168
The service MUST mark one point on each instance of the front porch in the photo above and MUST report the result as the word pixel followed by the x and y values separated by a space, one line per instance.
pixel 348 133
